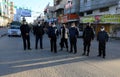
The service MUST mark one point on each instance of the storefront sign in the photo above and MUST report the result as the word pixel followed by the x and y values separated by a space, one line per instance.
pixel 102 19
pixel 110 18
pixel 87 19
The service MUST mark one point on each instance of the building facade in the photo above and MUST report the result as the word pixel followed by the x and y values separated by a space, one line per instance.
pixel 6 12
pixel 11 11
pixel 101 13
pixel 67 11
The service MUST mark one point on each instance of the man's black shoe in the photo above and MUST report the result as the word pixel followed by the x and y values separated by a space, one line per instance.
pixel 29 49
pixel 98 55
pixel 87 55
pixel 83 54
pixel 104 57
pixel 75 52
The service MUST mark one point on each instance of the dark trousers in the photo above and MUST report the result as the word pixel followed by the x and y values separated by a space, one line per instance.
pixel 36 42
pixel 26 41
pixel 87 44
pixel 73 42
pixel 53 44
pixel 64 41
pixel 102 48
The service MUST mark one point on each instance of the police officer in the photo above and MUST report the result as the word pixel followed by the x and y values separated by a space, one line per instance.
pixel 52 34
pixel 39 32
pixel 102 38
pixel 88 36
pixel 25 29
pixel 73 32
pixel 64 37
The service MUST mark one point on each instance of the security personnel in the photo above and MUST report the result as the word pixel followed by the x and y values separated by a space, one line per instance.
pixel 52 34
pixel 39 32
pixel 64 37
pixel 25 29
pixel 73 32
pixel 88 36
pixel 102 38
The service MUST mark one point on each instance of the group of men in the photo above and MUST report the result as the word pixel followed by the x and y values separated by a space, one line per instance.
pixel 65 33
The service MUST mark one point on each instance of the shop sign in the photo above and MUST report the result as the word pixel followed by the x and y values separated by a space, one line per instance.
pixel 87 19
pixel 110 18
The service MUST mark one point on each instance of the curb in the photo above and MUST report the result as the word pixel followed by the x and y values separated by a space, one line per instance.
pixel 3 35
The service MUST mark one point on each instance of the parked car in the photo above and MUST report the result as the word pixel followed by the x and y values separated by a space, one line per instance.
pixel 14 30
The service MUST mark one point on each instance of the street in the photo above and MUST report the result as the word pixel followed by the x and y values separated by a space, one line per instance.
pixel 15 62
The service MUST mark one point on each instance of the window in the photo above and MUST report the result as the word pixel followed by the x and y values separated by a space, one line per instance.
pixel 81 14
pixel 85 1
pixel 89 12
pixel 104 9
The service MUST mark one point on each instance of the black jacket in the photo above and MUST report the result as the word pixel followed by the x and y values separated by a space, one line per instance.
pixel 88 33
pixel 102 36
pixel 38 30
pixel 24 28
pixel 52 32
pixel 73 32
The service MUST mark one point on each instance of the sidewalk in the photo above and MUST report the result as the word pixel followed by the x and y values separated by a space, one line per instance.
pixel 3 32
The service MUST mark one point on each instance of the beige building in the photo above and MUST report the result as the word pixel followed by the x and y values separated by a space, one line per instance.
pixel 6 12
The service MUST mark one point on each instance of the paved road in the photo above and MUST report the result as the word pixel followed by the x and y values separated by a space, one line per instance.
pixel 15 62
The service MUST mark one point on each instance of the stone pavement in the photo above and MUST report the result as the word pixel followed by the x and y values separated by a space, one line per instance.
pixel 14 62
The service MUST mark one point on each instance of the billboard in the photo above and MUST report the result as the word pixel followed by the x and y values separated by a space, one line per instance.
pixel 23 12
pixel 26 13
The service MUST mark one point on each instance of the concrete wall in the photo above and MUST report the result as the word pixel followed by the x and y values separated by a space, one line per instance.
pixel 95 4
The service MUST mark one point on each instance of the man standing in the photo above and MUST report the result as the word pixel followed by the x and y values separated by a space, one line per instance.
pixel 102 38
pixel 88 36
pixel 39 32
pixel 73 38
pixel 64 37
pixel 52 34
pixel 25 34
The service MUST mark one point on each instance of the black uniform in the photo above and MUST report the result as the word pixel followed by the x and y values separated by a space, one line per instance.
pixel 25 29
pixel 52 34
pixel 73 32
pixel 88 36
pixel 39 32
pixel 102 37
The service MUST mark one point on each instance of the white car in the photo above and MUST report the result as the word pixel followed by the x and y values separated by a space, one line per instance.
pixel 14 30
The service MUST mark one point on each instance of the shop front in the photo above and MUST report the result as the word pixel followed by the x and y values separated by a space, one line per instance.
pixel 69 18
pixel 110 22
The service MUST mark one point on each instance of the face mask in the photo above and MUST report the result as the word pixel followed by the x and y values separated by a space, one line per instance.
pixel 38 24
pixel 24 23
pixel 53 25
pixel 102 29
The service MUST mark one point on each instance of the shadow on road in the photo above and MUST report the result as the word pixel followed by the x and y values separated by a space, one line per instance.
pixel 19 60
